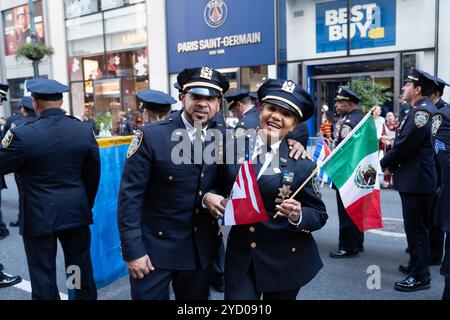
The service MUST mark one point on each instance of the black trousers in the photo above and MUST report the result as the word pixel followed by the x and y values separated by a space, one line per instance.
pixel 2 223
pixel 248 290
pixel 41 258
pixel 350 238
pixel 218 266
pixel 436 243
pixel 187 285
pixel 417 214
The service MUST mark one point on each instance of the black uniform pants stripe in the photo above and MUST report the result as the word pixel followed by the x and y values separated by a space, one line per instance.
pixel 350 238
pixel 417 214
pixel 248 291
pixel 41 258
pixel 187 285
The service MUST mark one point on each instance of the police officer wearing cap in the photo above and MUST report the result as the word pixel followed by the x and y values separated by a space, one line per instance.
pixel 4 232
pixel 275 258
pixel 6 280
pixel 411 160
pixel 440 131
pixel 241 102
pixel 57 158
pixel 438 91
pixel 155 105
pixel 436 234
pixel 351 239
pixel 166 233
pixel 28 115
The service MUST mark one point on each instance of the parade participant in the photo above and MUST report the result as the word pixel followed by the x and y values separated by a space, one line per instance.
pixel 440 131
pixel 57 158
pixel 155 105
pixel 28 115
pixel 412 162
pixel 350 238
pixel 165 232
pixel 274 259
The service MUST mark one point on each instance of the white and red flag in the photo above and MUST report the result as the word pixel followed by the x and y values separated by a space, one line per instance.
pixel 245 205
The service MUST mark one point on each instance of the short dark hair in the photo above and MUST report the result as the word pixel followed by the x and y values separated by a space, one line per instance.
pixel 425 90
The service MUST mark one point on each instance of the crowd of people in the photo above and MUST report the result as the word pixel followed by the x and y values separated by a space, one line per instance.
pixel 168 210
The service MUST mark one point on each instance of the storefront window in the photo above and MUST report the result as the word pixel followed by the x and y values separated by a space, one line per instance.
pixel 77 8
pixel 17 30
pixel 85 35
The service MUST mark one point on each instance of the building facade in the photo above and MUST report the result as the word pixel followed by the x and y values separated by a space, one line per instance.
pixel 107 50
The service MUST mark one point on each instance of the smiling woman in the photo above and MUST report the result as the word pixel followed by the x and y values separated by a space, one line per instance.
pixel 250 268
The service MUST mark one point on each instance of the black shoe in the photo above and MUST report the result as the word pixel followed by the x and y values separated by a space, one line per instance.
pixel 412 284
pixel 7 280
pixel 14 224
pixel 4 233
pixel 404 269
pixel 343 254
pixel 361 248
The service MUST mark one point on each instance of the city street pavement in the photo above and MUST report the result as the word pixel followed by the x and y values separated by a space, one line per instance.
pixel 342 279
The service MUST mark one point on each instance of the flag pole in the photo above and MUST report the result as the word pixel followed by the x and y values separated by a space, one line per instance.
pixel 315 171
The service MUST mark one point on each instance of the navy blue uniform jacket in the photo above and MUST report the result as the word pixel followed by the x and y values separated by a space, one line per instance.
pixel 57 158
pixel 160 211
pixel 441 140
pixel 285 257
pixel 411 158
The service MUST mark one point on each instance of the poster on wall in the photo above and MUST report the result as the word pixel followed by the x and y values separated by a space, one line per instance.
pixel 372 24
pixel 220 33
pixel 17 27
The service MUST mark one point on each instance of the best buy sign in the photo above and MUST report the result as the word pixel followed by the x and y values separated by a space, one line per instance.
pixel 372 24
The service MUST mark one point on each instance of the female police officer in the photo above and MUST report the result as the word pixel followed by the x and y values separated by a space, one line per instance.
pixel 274 259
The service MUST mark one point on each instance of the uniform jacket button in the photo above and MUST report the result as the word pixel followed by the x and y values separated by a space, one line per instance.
pixel 293 249
pixel 253 245
pixel 252 229
pixel 160 233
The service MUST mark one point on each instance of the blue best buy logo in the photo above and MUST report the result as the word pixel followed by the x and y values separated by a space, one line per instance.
pixel 372 24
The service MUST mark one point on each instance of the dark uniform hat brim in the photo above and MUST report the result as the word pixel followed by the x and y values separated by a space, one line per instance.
pixel 46 89
pixel 155 100
pixel 289 96
pixel 203 81
pixel 346 94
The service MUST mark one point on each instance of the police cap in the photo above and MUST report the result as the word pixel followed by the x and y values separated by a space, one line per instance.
pixel 204 81
pixel 440 85
pixel 287 95
pixel 3 91
pixel 27 103
pixel 155 100
pixel 46 89
pixel 421 78
pixel 346 94
pixel 239 95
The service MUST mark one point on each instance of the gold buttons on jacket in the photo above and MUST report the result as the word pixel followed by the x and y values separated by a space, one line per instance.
pixel 293 249
pixel 200 193
pixel 160 233
pixel 170 178
pixel 202 175
pixel 253 245
pixel 252 229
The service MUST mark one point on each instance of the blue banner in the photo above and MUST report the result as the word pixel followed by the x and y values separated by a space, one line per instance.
pixel 105 245
pixel 372 24
pixel 220 33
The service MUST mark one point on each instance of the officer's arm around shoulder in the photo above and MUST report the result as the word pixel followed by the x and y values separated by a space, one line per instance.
pixel 13 150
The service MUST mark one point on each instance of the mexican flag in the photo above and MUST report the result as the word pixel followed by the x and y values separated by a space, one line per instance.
pixel 353 167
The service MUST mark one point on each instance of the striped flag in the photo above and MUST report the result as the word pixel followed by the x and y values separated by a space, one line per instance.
pixel 320 154
pixel 353 167
pixel 245 205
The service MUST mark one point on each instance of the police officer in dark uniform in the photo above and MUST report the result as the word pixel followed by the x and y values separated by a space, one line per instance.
pixel 57 158
pixel 6 280
pixel 241 102
pixel 440 130
pixel 4 232
pixel 155 105
pixel 436 234
pixel 274 259
pixel 28 115
pixel 351 239
pixel 166 233
pixel 412 162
